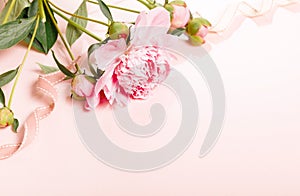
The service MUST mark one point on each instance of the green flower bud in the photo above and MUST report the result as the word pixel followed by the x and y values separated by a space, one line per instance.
pixel 196 40
pixel 118 30
pixel 6 117
pixel 195 25
pixel 178 2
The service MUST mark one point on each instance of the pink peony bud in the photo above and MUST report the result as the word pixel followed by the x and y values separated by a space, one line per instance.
pixel 197 29
pixel 118 30
pixel 6 117
pixel 180 14
pixel 82 86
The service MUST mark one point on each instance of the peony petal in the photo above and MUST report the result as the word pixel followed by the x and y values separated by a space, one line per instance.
pixel 92 102
pixel 106 78
pixel 107 53
pixel 150 26
pixel 156 17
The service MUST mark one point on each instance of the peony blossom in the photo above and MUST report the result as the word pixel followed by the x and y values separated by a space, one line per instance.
pixel 134 75
pixel 135 71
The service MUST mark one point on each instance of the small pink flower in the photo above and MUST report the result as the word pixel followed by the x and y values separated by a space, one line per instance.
pixel 81 86
pixel 180 13
pixel 181 16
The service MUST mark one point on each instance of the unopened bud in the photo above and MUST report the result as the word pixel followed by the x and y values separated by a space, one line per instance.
pixel 118 30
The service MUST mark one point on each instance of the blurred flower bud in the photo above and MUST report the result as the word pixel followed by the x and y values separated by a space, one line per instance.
pixel 180 14
pixel 82 86
pixel 118 30
pixel 6 117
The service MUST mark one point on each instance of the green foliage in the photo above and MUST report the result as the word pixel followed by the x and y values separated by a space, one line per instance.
pixel 72 33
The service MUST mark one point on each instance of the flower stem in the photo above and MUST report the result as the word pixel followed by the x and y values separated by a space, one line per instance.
pixel 146 4
pixel 42 11
pixel 58 30
pixel 13 2
pixel 124 9
pixel 81 28
pixel 77 16
pixel 61 36
pixel 116 7
pixel 23 61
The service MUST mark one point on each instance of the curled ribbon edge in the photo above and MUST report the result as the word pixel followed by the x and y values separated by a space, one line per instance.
pixel 247 10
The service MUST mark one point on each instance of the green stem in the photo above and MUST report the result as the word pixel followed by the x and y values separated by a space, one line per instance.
pixel 146 4
pixel 42 11
pixel 166 2
pixel 61 35
pixel 77 16
pixel 13 2
pixel 58 30
pixel 81 28
pixel 124 9
pixel 116 7
pixel 23 61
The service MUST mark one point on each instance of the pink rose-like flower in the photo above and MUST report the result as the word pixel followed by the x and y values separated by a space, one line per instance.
pixel 135 71
pixel 180 14
pixel 83 88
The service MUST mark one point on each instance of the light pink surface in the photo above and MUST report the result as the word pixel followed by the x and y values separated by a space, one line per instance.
pixel 258 152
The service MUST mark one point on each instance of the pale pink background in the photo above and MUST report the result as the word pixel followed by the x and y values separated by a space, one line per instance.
pixel 258 152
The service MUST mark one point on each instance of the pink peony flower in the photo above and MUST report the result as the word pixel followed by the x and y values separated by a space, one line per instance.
pixel 135 71
pixel 134 75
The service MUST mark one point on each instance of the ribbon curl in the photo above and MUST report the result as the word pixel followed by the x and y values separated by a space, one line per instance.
pixel 247 10
pixel 29 130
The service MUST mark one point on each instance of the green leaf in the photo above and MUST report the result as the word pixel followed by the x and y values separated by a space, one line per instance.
pixel 62 68
pixel 2 97
pixel 178 31
pixel 13 32
pixel 36 44
pixel 15 125
pixel 47 69
pixel 46 35
pixel 72 33
pixel 19 6
pixel 204 22
pixel 93 47
pixel 8 76
pixel 105 10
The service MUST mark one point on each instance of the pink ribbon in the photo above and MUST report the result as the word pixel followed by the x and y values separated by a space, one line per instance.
pixel 245 8
pixel 30 128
